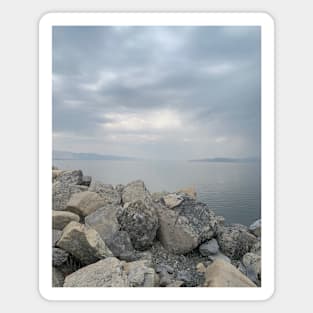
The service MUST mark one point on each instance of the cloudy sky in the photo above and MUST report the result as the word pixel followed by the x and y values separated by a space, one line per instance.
pixel 157 92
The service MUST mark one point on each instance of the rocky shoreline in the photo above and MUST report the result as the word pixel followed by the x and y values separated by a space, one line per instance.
pixel 124 236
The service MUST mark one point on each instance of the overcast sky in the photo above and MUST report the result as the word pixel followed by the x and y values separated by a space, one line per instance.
pixel 157 92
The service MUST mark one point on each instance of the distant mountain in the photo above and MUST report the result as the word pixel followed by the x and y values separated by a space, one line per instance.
pixel 228 160
pixel 66 155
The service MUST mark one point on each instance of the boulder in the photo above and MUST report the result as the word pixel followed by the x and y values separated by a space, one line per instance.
pixel 255 228
pixel 104 221
pixel 200 268
pixel 105 273
pixel 189 192
pixel 164 268
pixel 59 257
pixel 86 181
pixel 185 276
pixel 252 263
pixel 183 228
pixel 158 196
pixel 172 200
pixel 220 256
pixel 135 191
pixel 84 243
pixel 235 240
pixel 57 278
pixel 140 221
pixel 84 203
pixel 256 248
pixel 61 218
pixel 209 247
pixel 165 279
pixel 120 245
pixel 224 274
pixel 70 177
pixel 61 194
pixel 106 192
pixel 56 235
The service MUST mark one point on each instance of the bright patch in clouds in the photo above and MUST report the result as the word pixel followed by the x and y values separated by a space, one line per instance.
pixel 157 120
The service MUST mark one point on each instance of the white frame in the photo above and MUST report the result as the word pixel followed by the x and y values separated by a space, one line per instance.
pixel 45 155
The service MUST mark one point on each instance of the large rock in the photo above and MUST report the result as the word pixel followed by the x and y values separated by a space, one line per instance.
pixel 256 248
pixel 113 273
pixel 104 221
pixel 135 191
pixel 84 243
pixel 70 177
pixel 86 181
pixel 106 192
pixel 140 221
pixel 189 192
pixel 252 263
pixel 57 278
pixel 120 245
pixel 172 200
pixel 56 235
pixel 84 203
pixel 183 228
pixel 209 247
pixel 223 274
pixel 255 228
pixel 61 218
pixel 235 240
pixel 61 194
pixel 59 257
pixel 105 273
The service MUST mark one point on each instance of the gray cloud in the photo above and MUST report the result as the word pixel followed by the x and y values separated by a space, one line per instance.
pixel 161 92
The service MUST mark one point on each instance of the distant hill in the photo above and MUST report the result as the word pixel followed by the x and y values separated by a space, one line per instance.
pixel 227 160
pixel 66 155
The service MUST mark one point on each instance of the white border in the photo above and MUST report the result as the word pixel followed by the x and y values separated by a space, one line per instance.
pixel 45 155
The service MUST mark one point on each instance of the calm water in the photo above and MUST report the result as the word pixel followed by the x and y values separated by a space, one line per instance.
pixel 230 189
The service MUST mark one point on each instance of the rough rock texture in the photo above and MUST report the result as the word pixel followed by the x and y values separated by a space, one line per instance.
pixel 61 193
pixel 158 196
pixel 255 228
pixel 223 274
pixel 189 191
pixel 209 247
pixel 84 243
pixel 56 235
pixel 61 218
pixel 104 221
pixel 86 181
pixel 256 248
pixel 135 191
pixel 59 257
pixel 55 174
pixel 105 273
pixel 84 203
pixel 252 263
pixel 120 245
pixel 106 192
pixel 172 200
pixel 220 256
pixel 183 228
pixel 235 241
pixel 57 278
pixel 140 221
pixel 70 177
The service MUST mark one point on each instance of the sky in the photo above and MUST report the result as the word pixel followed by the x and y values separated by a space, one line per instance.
pixel 157 92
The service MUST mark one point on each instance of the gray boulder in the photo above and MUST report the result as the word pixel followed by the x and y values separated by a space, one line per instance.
pixel 59 257
pixel 140 221
pixel 84 243
pixel 252 263
pixel 255 228
pixel 86 181
pixel 70 177
pixel 84 203
pixel 61 218
pixel 235 241
pixel 57 278
pixel 56 235
pixel 104 221
pixel 219 256
pixel 209 247
pixel 172 200
pixel 256 248
pixel 135 191
pixel 183 228
pixel 106 192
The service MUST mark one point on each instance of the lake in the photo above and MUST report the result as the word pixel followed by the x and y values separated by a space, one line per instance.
pixel 232 190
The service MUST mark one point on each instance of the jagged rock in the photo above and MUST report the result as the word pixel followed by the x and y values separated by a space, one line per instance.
pixel 135 191
pixel 252 263
pixel 59 257
pixel 184 276
pixel 200 268
pixel 172 200
pixel 104 221
pixel 56 235
pixel 57 278
pixel 105 273
pixel 106 192
pixel 140 221
pixel 183 228
pixel 84 203
pixel 61 218
pixel 255 228
pixel 70 177
pixel 224 274
pixel 189 192
pixel 120 245
pixel 209 247
pixel 86 181
pixel 235 241
pixel 119 188
pixel 61 193
pixel 256 248
pixel 84 243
